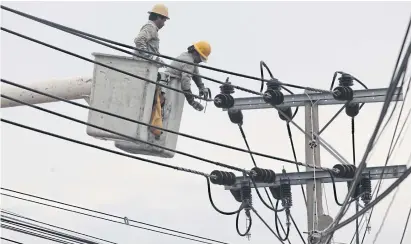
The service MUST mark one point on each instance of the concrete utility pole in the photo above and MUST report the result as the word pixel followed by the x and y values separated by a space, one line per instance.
pixel 316 219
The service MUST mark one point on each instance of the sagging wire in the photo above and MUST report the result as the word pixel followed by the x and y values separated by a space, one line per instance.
pixel 84 34
pixel 214 206
pixel 265 189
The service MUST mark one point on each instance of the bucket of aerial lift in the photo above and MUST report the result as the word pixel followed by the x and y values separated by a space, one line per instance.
pixel 132 98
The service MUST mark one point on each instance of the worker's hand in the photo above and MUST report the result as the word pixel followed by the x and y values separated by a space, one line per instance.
pixel 197 106
pixel 205 93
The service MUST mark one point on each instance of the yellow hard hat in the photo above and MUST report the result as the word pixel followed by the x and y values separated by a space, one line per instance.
pixel 203 48
pixel 160 9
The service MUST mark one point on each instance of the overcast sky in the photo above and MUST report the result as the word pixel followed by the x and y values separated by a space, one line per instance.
pixel 302 43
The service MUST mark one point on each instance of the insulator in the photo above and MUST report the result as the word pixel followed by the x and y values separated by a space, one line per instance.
pixel 286 195
pixel 264 175
pixel 366 190
pixel 346 80
pixel 344 171
pixel 236 194
pixel 287 111
pixel 275 192
pixel 352 109
pixel 273 84
pixel 227 88
pixel 245 191
pixel 222 178
pixel 273 97
pixel 343 93
pixel 223 101
pixel 236 116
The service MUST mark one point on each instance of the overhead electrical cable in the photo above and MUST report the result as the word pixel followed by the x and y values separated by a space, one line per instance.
pixel 146 124
pixel 390 93
pixel 405 226
pixel 12 241
pixel 54 226
pixel 125 136
pixel 101 64
pixel 43 230
pixel 84 34
pixel 128 222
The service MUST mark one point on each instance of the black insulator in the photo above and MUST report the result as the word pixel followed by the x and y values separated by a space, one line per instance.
pixel 344 171
pixel 346 80
pixel 366 190
pixel 286 194
pixel 222 178
pixel 264 175
pixel 227 88
pixel 343 93
pixel 245 190
pixel 352 109
pixel 223 101
pixel 273 97
pixel 273 84
pixel 287 111
pixel 275 192
pixel 236 194
pixel 236 116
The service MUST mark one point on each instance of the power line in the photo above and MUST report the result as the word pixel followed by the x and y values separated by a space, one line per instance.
pixel 361 166
pixel 125 136
pixel 127 222
pixel 101 64
pixel 9 240
pixel 146 124
pixel 405 226
pixel 84 34
pixel 61 228
pixel 104 149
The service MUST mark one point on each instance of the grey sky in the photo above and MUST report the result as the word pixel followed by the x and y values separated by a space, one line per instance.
pixel 303 43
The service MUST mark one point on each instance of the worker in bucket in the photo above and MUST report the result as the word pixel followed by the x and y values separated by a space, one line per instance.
pixel 196 53
pixel 148 39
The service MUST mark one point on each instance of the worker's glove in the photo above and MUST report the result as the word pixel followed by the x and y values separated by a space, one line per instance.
pixel 205 93
pixel 197 106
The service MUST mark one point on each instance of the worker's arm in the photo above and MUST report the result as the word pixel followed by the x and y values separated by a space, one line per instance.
pixel 147 32
pixel 197 79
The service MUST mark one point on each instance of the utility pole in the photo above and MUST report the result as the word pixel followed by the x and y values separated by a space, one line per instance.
pixel 316 219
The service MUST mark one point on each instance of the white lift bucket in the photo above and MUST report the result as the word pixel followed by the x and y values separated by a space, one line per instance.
pixel 133 98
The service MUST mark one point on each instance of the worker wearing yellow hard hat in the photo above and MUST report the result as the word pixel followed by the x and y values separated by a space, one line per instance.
pixel 148 39
pixel 196 53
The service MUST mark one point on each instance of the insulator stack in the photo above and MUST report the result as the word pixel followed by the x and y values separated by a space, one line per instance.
pixel 263 175
pixel 236 116
pixel 236 194
pixel 273 95
pixel 366 190
pixel 346 80
pixel 287 111
pixel 352 109
pixel 344 171
pixel 222 178
pixel 286 195
pixel 343 93
pixel 224 99
pixel 245 191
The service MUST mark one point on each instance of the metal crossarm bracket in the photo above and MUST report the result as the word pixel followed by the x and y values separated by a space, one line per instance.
pixel 296 100
pixel 301 178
